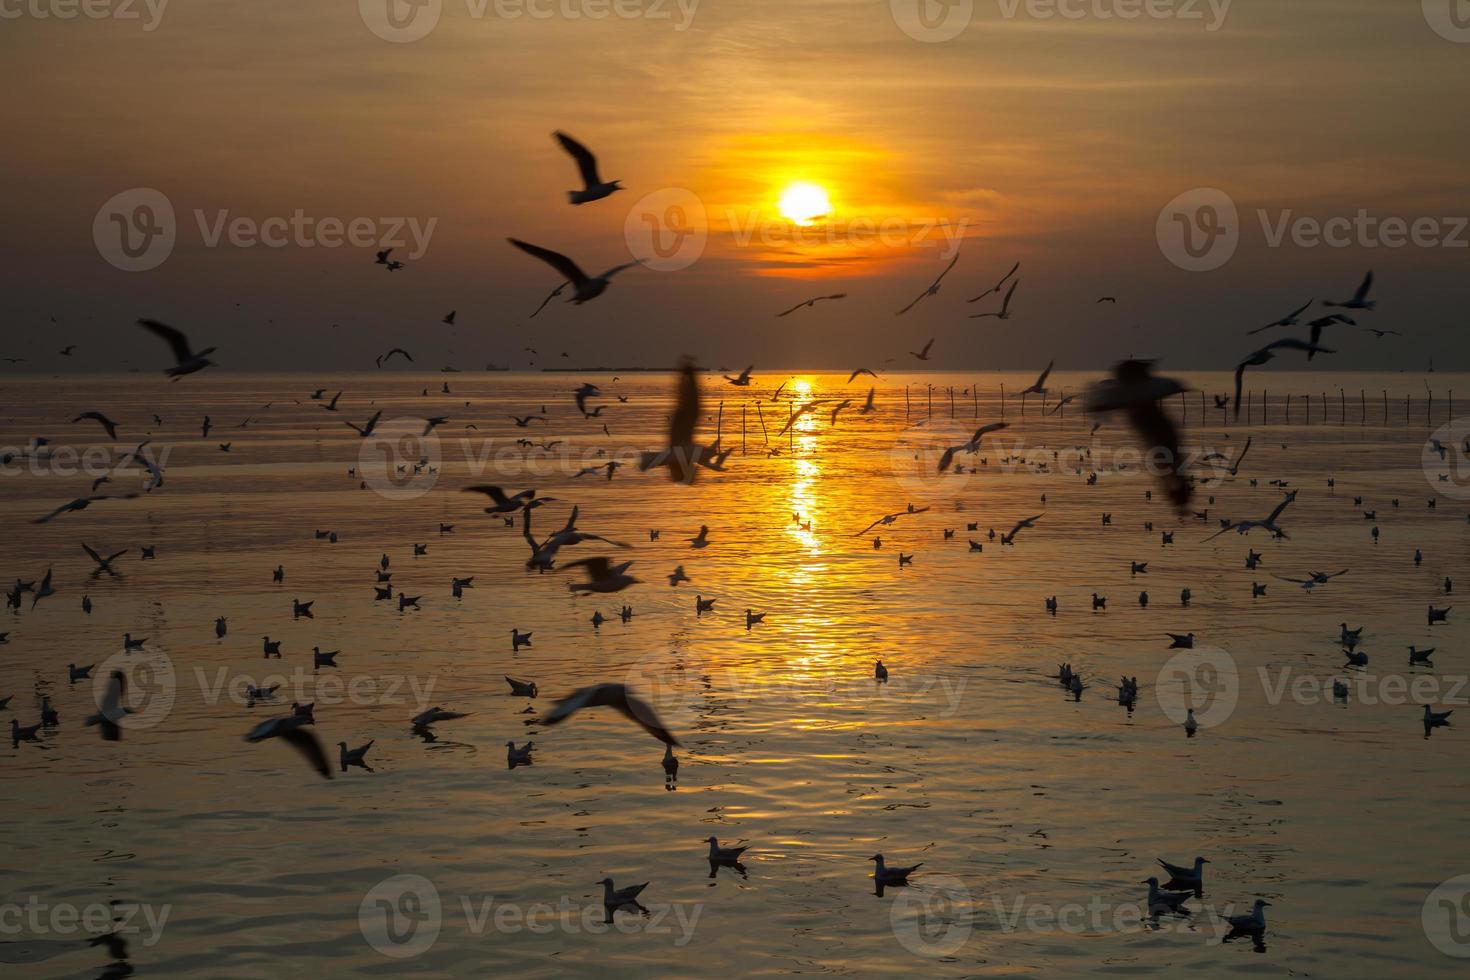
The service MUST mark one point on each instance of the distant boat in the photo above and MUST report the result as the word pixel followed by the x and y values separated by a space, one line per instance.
pixel 492 366
pixel 449 370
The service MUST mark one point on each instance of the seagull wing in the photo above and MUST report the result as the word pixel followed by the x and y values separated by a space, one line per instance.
pixel 309 746
pixel 1362 292
pixel 556 260
pixel 586 162
pixel 686 410
pixel 175 339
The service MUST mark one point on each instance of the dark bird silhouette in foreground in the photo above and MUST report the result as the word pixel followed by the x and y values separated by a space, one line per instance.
pixel 617 697
pixel 186 361
pixel 1136 392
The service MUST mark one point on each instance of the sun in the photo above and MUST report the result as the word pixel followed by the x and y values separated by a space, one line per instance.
pixel 803 203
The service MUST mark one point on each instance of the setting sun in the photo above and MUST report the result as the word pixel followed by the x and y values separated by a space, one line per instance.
pixel 803 203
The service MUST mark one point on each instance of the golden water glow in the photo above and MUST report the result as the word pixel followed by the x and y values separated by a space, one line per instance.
pixel 804 202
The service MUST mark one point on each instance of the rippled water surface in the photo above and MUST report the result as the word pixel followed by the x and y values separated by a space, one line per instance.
pixel 1035 815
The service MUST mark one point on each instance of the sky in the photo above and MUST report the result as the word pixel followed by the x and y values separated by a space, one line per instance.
pixel 1068 136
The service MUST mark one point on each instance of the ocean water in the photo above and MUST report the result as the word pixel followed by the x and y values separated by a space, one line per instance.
pixel 1036 815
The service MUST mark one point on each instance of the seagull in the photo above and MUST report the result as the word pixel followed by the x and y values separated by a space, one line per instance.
pixel 109 426
pixel 381 359
pixel 973 446
pixel 1181 641
pixel 354 757
pixel 186 361
pixel 933 289
pixel 1290 320
pixel 524 500
pixel 366 429
pixel 518 757
pixel 1039 386
pixel 1269 522
pixel 621 898
pixel 1009 539
pixel 1321 323
pixel 103 564
pixel 1162 902
pixel 584 287
pixel 923 354
pixel 724 855
pixel 617 697
pixel 1265 354
pixel 744 380
pixel 996 287
pixel 594 188
pixel 1137 392
pixel 1435 719
pixel 1380 334
pixel 859 371
pixel 683 455
pixel 1005 305
pixel 518 639
pixel 80 503
pixel 812 302
pixel 331 406
pixel 110 709
pixel 45 591
pixel 602 576
pixel 1106 299
pixel 433 715
pixel 1360 300
pixel 678 576
pixel 524 689
pixel 1253 922
pixel 885 875
pixel 290 727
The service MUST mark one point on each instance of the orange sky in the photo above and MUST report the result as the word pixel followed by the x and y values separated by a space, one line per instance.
pixel 1049 140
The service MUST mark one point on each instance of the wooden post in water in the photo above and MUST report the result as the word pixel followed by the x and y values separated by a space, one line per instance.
pixel 765 438
pixel 929 396
pixel 1248 407
pixel 1429 405
pixel 975 398
pixel 1288 408
pixel 1002 399
pixel 1265 407
pixel 1385 406
pixel 951 401
pixel 905 402
pixel 742 428
pixel 1408 407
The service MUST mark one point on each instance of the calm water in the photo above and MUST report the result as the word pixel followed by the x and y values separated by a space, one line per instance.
pixel 1036 816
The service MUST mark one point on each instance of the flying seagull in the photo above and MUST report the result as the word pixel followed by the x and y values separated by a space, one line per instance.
pixel 1265 354
pixel 811 302
pixel 1039 387
pixel 683 455
pixel 1360 300
pixel 1135 391
pixel 1290 320
pixel 996 288
pixel 617 697
pixel 584 287
pixel 290 727
pixel 1005 305
pixel 107 424
pixel 186 361
pixel 973 446
pixel 594 188
pixel 933 289
pixel 549 297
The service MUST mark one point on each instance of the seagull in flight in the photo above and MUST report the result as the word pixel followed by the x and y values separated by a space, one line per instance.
pixel 1028 522
pixel 1005 305
pixel 1321 323
pixel 186 361
pixel 973 446
pixel 594 188
pixel 1380 334
pixel 872 374
pixel 996 287
pixel 933 289
pixel 1360 300
pixel 923 354
pixel 811 302
pixel 617 697
pixel 1267 353
pixel 1136 391
pixel 107 424
pixel 367 429
pixel 81 503
pixel 549 297
pixel 683 455
pixel 584 287
pixel 381 358
pixel 1269 522
pixel 1039 387
pixel 103 564
pixel 1290 320
pixel 291 728
pixel 744 380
